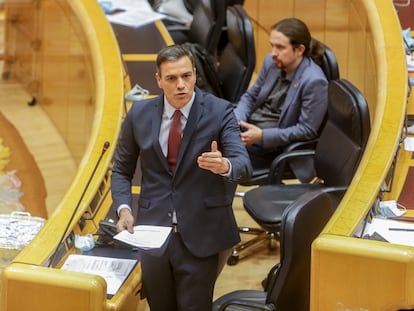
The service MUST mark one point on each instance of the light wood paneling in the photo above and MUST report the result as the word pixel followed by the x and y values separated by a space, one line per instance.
pixel 353 29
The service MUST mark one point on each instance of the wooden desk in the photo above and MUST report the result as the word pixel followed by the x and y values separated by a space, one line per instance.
pixel 139 48
pixel 92 44
pixel 55 289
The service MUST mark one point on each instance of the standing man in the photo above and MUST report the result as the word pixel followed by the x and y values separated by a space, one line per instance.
pixel 289 99
pixel 190 189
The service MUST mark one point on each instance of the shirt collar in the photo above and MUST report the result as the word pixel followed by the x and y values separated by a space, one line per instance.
pixel 288 77
pixel 169 110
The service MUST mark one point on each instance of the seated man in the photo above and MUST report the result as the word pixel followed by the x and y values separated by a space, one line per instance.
pixel 288 100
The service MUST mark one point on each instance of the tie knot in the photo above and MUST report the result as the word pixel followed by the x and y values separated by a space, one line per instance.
pixel 177 114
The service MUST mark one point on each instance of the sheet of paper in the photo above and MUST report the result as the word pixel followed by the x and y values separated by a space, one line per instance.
pixel 114 270
pixel 394 231
pixel 410 63
pixel 409 143
pixel 133 13
pixel 145 236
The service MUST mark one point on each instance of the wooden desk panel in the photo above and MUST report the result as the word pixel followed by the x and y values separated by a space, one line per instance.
pixel 139 48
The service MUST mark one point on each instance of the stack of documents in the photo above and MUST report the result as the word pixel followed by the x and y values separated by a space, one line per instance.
pixel 410 63
pixel 132 13
pixel 394 231
pixel 144 236
pixel 114 270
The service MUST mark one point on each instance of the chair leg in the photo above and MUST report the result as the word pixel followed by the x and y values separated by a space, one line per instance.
pixel 261 236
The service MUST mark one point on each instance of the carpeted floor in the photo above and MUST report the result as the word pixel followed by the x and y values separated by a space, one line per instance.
pixel 26 170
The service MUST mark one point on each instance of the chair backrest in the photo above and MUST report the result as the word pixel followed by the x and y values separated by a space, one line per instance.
pixel 302 222
pixel 190 5
pixel 344 136
pixel 238 58
pixel 328 62
pixel 208 21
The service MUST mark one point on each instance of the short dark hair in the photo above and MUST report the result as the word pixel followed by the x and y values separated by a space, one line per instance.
pixel 173 53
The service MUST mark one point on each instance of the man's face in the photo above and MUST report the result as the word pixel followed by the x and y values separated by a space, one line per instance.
pixel 177 79
pixel 284 55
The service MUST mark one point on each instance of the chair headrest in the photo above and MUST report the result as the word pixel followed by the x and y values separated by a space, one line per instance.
pixel 348 106
pixel 328 61
pixel 208 21
pixel 240 31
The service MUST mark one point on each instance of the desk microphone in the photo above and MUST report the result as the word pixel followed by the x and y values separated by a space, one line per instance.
pixel 104 148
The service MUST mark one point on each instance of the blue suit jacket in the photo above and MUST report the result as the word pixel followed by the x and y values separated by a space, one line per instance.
pixel 303 112
pixel 201 199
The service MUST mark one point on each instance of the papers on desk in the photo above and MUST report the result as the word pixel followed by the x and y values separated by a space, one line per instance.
pixel 410 63
pixel 132 13
pixel 394 231
pixel 114 270
pixel 144 236
pixel 409 143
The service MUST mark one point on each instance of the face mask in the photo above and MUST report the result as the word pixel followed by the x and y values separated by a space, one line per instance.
pixel 390 208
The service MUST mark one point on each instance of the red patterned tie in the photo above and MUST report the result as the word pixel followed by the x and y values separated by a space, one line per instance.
pixel 174 140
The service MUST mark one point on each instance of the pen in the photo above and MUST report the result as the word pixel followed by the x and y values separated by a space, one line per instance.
pixel 400 229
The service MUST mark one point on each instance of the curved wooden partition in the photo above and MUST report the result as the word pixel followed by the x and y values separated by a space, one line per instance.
pixel 67 56
pixel 350 273
pixel 347 273
pixel 89 52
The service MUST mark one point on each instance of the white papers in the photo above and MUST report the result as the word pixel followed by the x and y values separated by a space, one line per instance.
pixel 145 236
pixel 114 270
pixel 410 62
pixel 409 143
pixel 394 231
pixel 133 13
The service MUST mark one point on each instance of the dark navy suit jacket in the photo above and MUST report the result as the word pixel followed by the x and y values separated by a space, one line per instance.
pixel 201 199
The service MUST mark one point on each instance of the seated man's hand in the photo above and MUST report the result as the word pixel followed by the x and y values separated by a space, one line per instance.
pixel 213 161
pixel 252 133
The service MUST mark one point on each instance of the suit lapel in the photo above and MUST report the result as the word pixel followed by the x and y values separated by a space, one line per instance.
pixel 156 125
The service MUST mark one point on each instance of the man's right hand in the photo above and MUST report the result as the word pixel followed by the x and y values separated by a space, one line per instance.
pixel 126 221
pixel 251 135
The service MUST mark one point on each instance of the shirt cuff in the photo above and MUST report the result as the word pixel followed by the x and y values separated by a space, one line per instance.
pixel 122 206
pixel 229 171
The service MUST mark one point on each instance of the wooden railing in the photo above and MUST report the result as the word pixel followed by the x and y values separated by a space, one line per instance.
pixel 365 36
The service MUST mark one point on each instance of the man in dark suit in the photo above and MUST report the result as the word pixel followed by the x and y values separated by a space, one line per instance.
pixel 289 99
pixel 192 193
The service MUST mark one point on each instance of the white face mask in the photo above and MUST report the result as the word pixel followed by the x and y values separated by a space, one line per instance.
pixel 390 208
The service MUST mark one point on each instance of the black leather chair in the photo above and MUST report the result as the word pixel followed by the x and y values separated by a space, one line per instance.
pixel 329 65
pixel 288 282
pixel 206 28
pixel 238 58
pixel 336 158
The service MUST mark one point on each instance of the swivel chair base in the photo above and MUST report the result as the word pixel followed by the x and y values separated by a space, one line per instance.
pixel 261 235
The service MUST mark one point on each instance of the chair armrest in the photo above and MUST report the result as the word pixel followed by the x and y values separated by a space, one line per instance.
pixel 271 277
pixel 336 193
pixel 278 165
pixel 306 144
pixel 249 304
pixel 178 27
